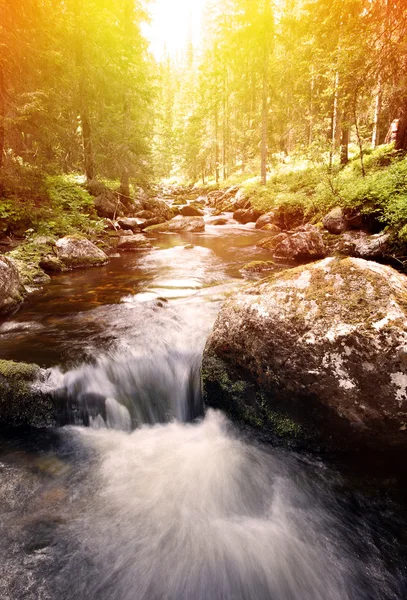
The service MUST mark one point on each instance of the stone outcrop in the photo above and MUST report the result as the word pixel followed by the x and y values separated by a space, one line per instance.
pixel 134 242
pixel 75 252
pixel 22 402
pixel 335 221
pixel 303 244
pixel 179 225
pixel 245 216
pixel 191 211
pixel 12 291
pixel 128 223
pixel 317 352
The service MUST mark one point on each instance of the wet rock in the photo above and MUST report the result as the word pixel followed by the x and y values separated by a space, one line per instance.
pixel 145 214
pixel 134 242
pixel 362 245
pixel 51 264
pixel 270 218
pixel 128 223
pixel 191 211
pixel 220 221
pixel 151 222
pixel 75 252
pixel 179 224
pixel 245 216
pixel 21 400
pixel 12 291
pixel 108 205
pixel 158 208
pixel 317 352
pixel 271 228
pixel 303 244
pixel 335 221
pixel 258 266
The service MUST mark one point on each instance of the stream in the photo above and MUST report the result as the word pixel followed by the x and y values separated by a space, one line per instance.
pixel 144 494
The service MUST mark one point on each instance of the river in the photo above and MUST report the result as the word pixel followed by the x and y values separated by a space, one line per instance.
pixel 144 494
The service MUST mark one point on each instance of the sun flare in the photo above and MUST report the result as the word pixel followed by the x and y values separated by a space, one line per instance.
pixel 172 23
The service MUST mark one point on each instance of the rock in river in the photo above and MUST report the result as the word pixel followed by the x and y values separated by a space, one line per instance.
pixel 21 401
pixel 302 244
pixel 12 291
pixel 75 252
pixel 134 242
pixel 318 351
pixel 179 224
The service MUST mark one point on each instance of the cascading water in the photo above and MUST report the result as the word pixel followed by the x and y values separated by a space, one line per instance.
pixel 156 500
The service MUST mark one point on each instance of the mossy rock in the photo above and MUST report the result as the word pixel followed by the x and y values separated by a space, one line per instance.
pixel 322 345
pixel 259 266
pixel 21 402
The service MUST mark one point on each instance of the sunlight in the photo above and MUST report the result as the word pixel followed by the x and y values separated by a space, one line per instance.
pixel 172 22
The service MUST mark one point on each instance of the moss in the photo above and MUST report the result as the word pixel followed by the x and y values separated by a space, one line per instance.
pixel 243 401
pixel 258 266
pixel 18 371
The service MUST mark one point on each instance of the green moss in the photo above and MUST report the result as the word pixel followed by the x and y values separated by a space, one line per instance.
pixel 242 401
pixel 257 266
pixel 18 371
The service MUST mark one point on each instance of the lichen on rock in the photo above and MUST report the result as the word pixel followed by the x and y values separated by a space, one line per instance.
pixel 325 345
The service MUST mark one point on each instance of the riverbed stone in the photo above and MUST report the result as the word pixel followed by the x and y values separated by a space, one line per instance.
pixel 12 291
pixel 362 245
pixel 318 352
pixel 76 252
pixel 134 242
pixel 22 399
pixel 129 223
pixel 245 216
pixel 191 211
pixel 302 244
pixel 179 224
pixel 335 221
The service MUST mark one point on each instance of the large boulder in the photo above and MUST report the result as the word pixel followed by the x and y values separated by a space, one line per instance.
pixel 108 205
pixel 22 401
pixel 178 225
pixel 335 221
pixel 151 222
pixel 362 245
pixel 191 211
pixel 270 218
pixel 75 252
pixel 128 223
pixel 158 208
pixel 134 242
pixel 245 216
pixel 12 291
pixel 303 244
pixel 317 352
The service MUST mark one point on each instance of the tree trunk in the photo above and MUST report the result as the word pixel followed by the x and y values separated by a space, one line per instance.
pixel 87 145
pixel 268 24
pixel 264 123
pixel 345 141
pixel 2 116
pixel 401 136
pixel 125 183
pixel 377 112
pixel 83 104
pixel 334 126
pixel 216 145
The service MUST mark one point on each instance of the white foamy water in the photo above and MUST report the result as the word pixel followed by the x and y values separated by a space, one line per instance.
pixel 188 512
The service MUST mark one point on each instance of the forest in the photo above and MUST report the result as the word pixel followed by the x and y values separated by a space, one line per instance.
pixel 203 299
pixel 269 84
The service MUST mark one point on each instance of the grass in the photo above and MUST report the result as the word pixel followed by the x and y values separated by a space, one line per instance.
pixel 307 191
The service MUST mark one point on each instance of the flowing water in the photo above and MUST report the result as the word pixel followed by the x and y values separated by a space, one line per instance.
pixel 144 494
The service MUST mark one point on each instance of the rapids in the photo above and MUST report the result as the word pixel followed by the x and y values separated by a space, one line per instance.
pixel 145 495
